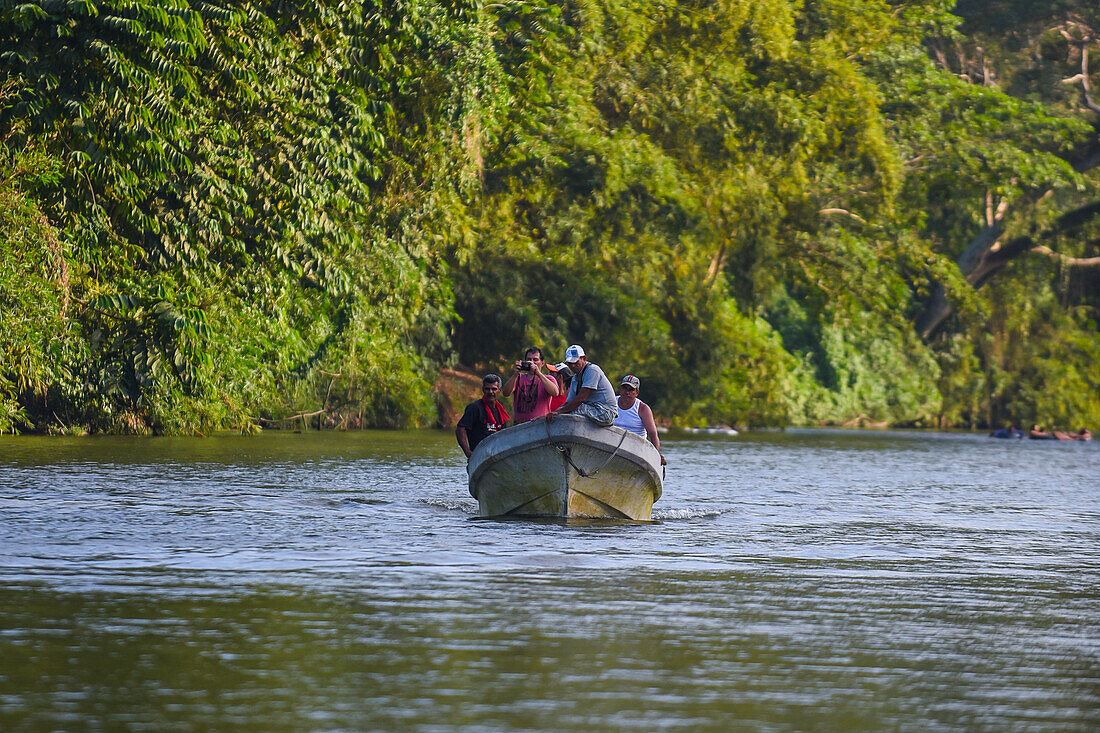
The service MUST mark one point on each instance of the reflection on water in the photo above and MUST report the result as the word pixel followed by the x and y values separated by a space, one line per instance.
pixel 808 580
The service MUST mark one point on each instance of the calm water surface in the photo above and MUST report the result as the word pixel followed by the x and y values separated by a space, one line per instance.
pixel 808 580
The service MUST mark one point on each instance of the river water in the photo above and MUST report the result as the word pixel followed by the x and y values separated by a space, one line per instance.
pixel 803 581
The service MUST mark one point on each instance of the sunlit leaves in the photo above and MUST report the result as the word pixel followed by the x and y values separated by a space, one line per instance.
pixel 225 158
pixel 268 205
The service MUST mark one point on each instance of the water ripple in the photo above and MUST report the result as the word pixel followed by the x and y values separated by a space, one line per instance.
pixel 807 580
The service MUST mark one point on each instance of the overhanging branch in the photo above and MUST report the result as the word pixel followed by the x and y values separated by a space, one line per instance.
pixel 1066 259
pixel 1083 77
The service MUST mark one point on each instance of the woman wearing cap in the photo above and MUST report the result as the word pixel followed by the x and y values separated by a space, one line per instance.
pixel 564 377
pixel 635 415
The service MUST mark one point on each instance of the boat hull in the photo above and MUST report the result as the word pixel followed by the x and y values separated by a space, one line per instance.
pixel 568 468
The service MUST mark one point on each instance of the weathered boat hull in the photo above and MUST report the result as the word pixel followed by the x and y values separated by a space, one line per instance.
pixel 568 468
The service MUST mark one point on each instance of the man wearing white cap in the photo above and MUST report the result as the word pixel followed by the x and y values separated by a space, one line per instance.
pixel 590 392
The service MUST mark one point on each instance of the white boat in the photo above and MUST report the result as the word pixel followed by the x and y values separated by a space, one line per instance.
pixel 570 467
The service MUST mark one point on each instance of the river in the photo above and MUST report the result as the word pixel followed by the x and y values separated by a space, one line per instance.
pixel 808 580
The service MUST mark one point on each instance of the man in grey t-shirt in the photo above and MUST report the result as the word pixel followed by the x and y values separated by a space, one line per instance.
pixel 590 393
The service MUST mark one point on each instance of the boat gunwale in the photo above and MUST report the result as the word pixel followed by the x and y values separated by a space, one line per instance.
pixel 632 455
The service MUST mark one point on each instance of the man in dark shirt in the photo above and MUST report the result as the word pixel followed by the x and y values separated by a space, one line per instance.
pixel 482 417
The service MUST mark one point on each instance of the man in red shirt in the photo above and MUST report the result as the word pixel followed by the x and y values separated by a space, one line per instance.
pixel 482 417
pixel 534 389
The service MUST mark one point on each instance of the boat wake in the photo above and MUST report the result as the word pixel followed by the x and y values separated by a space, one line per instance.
pixel 467 506
pixel 667 515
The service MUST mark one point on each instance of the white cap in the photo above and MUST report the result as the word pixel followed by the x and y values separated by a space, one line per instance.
pixel 573 353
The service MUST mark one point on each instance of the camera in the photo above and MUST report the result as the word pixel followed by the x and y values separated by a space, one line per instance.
pixel 525 366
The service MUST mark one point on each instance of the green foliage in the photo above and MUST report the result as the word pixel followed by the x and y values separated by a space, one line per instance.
pixel 37 340
pixel 1024 346
pixel 225 185
pixel 1031 361
pixel 232 215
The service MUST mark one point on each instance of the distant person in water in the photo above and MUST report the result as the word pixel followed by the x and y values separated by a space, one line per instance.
pixel 482 417
pixel 1009 432
pixel 1083 435
pixel 534 389
pixel 635 415
pixel 1037 433
pixel 590 392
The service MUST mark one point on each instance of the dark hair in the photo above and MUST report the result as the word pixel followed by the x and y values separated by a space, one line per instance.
pixel 489 379
pixel 534 348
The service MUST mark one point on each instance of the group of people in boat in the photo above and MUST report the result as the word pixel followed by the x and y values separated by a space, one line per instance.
pixel 1037 433
pixel 541 391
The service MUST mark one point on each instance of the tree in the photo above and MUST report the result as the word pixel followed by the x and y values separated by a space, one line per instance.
pixel 226 188
pixel 1033 43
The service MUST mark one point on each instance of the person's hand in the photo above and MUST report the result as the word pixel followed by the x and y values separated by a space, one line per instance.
pixel 516 368
pixel 536 368
pixel 550 417
pixel 663 461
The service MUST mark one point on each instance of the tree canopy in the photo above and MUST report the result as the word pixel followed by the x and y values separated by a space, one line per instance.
pixel 224 215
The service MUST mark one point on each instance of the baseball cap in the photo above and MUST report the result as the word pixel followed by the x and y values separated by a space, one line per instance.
pixel 573 353
pixel 632 381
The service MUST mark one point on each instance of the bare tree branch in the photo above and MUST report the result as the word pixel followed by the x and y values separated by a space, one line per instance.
pixel 985 255
pixel 292 417
pixel 1083 77
pixel 716 263
pixel 1065 259
pixel 844 212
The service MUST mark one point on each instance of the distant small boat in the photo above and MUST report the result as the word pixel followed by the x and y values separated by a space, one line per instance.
pixel 568 468
pixel 713 430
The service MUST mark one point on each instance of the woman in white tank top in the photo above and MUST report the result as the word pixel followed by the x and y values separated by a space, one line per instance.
pixel 635 415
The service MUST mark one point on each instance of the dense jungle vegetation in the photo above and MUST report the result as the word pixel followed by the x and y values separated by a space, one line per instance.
pixel 225 214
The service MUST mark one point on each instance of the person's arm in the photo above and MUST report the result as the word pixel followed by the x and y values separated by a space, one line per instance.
pixel 467 421
pixel 463 440
pixel 650 425
pixel 548 383
pixel 650 428
pixel 511 383
pixel 578 399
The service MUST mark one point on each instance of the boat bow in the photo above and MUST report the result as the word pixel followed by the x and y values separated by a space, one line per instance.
pixel 568 467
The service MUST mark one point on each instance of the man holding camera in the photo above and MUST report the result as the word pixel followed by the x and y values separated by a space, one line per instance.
pixel 533 388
